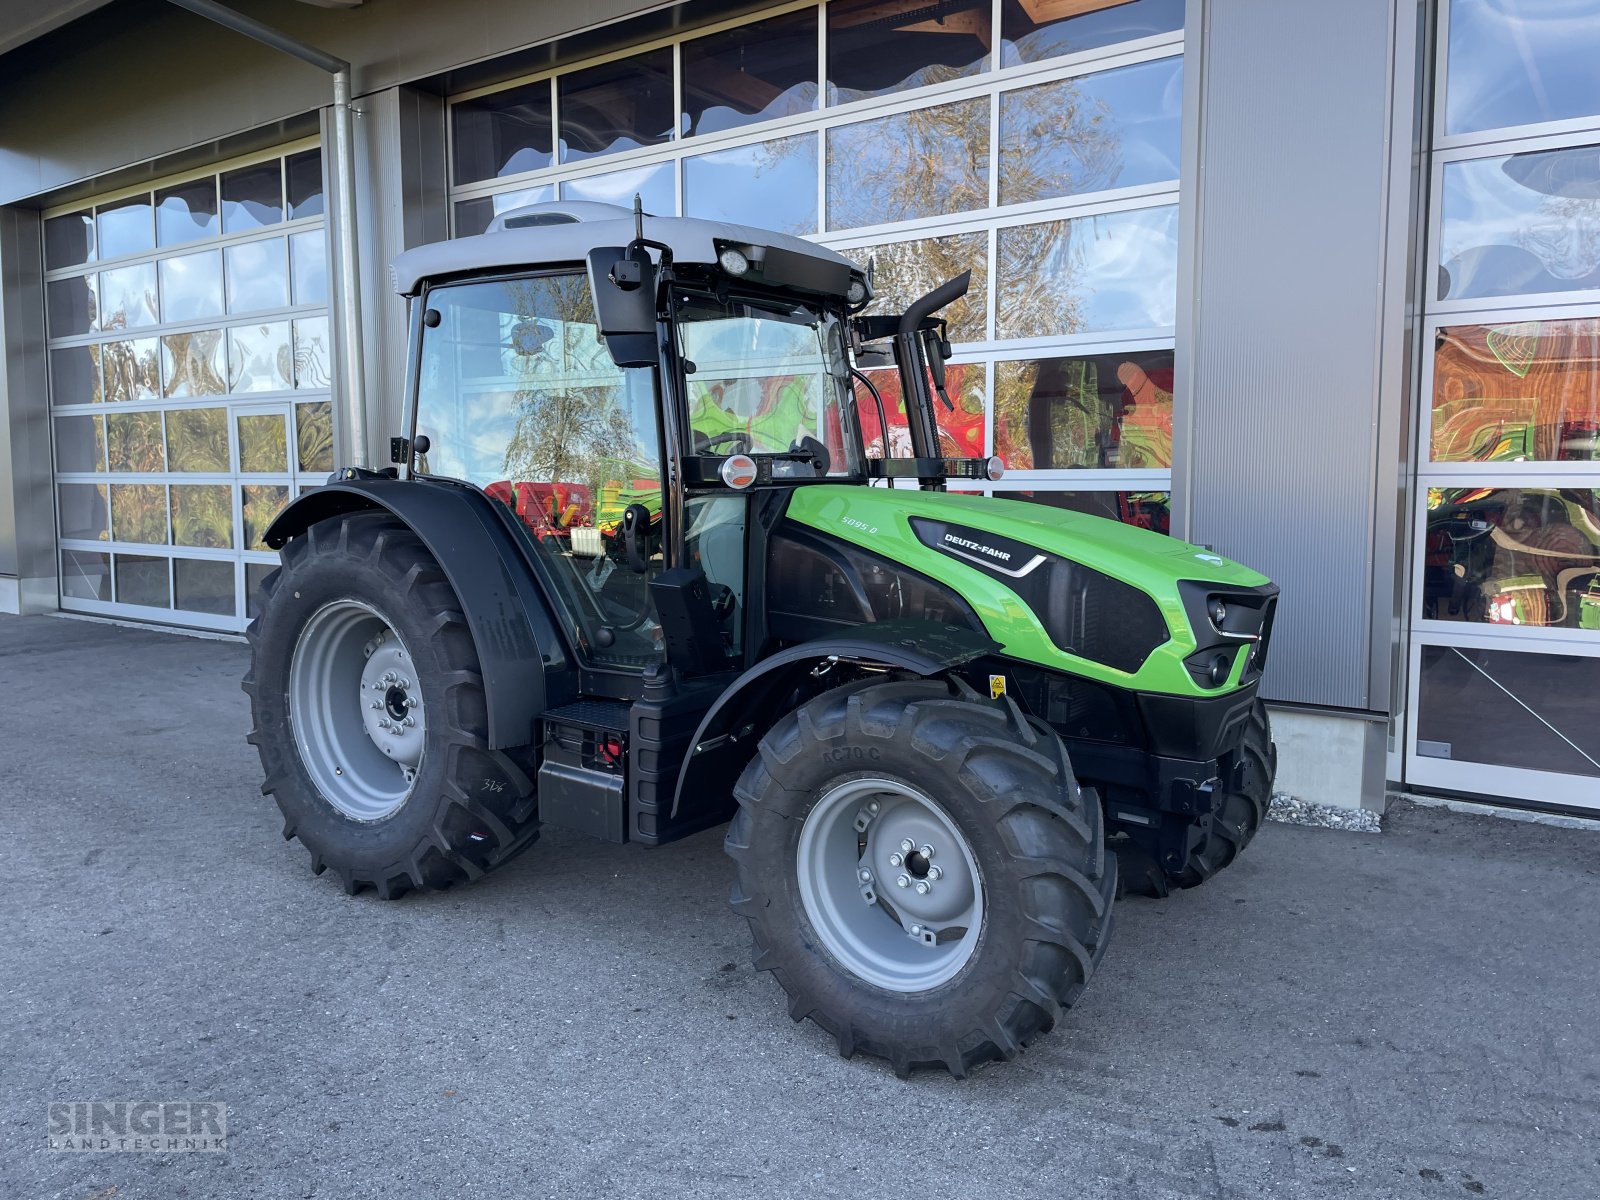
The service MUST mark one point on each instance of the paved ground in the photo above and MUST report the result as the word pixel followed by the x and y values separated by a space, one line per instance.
pixel 1409 1014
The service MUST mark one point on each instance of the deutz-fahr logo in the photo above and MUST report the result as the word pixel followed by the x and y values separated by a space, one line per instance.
pixel 952 540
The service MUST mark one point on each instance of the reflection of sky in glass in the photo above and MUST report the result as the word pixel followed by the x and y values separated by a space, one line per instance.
pixel 652 183
pixel 128 297
pixel 1122 131
pixel 1116 271
pixel 1501 237
pixel 506 201
pixel 1521 62
pixel 772 185
pixel 191 286
pixel 257 276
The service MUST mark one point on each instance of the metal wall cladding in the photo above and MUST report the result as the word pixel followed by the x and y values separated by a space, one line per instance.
pixel 1287 330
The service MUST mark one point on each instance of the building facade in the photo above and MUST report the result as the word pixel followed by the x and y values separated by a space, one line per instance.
pixel 1316 285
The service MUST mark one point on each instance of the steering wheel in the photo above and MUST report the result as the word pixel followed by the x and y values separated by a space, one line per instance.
pixel 739 438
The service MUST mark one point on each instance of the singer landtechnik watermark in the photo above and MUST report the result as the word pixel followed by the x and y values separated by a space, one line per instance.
pixel 163 1126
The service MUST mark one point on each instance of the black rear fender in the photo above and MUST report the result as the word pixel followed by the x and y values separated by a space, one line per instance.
pixel 518 643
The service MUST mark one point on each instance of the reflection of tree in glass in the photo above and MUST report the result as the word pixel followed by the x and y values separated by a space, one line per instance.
pixel 131 370
pixel 908 270
pixel 197 439
pixel 133 440
pixel 571 425
pixel 139 513
pixel 314 434
pixel 194 358
pixel 921 163
pixel 1055 142
pixel 202 515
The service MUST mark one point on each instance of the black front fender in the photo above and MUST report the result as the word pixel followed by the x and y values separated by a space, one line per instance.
pixel 507 613
pixel 731 728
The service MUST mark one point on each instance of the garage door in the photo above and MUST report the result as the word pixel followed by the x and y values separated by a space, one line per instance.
pixel 189 383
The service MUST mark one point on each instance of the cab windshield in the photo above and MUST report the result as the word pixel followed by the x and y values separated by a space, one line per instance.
pixel 768 377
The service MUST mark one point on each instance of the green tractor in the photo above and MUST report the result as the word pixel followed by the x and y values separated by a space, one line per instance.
pixel 937 721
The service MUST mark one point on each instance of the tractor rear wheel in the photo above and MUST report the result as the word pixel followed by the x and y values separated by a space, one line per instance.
pixel 369 715
pixel 921 873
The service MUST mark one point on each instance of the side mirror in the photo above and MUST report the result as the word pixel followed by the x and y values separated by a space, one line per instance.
pixel 624 290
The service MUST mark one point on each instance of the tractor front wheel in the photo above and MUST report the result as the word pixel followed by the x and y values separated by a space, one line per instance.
pixel 921 873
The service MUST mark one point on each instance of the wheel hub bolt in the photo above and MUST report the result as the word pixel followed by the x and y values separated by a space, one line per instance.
pixel 927 851
pixel 896 859
pixel 907 846
pixel 903 881
pixel 935 874
pixel 922 887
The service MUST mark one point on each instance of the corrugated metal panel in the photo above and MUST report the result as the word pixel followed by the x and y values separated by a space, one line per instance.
pixel 1285 340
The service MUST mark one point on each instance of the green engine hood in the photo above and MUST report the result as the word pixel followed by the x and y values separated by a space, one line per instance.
pixel 879 520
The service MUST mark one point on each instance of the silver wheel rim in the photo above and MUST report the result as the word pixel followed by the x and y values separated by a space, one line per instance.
pixel 355 707
pixel 905 920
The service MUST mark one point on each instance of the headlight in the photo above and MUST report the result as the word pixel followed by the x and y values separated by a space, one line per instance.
pixel 1217 609
pixel 733 261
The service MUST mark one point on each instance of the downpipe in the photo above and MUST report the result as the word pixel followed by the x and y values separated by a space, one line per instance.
pixel 352 360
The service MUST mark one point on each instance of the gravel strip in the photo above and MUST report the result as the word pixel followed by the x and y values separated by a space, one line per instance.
pixel 1292 811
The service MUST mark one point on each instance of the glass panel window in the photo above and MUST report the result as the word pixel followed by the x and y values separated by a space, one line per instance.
pixel 260 358
pixel 197 439
pixel 131 370
pixel 308 259
pixel 82 511
pixel 85 575
pixel 1513 556
pixel 194 363
pixel 1034 30
pixel 923 163
pixel 124 227
pixel 473 216
pixel 71 306
pixel 187 212
pixel 80 444
pixel 1521 62
pixel 263 444
pixel 260 503
pixel 1098 411
pixel 962 432
pixel 69 240
pixel 133 441
pixel 1088 275
pixel 504 134
pixel 139 513
pixel 1540 712
pixel 142 579
pixel 75 375
pixel 311 355
pixel 191 286
pixel 1523 392
pixel 1522 223
pixel 202 515
pixel 304 175
pixel 771 185
pixel 1147 510
pixel 252 197
pixel 1111 129
pixel 257 276
pixel 755 72
pixel 313 425
pixel 653 185
pixel 876 47
pixel 203 585
pixel 617 106
pixel 128 297
pixel 908 270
